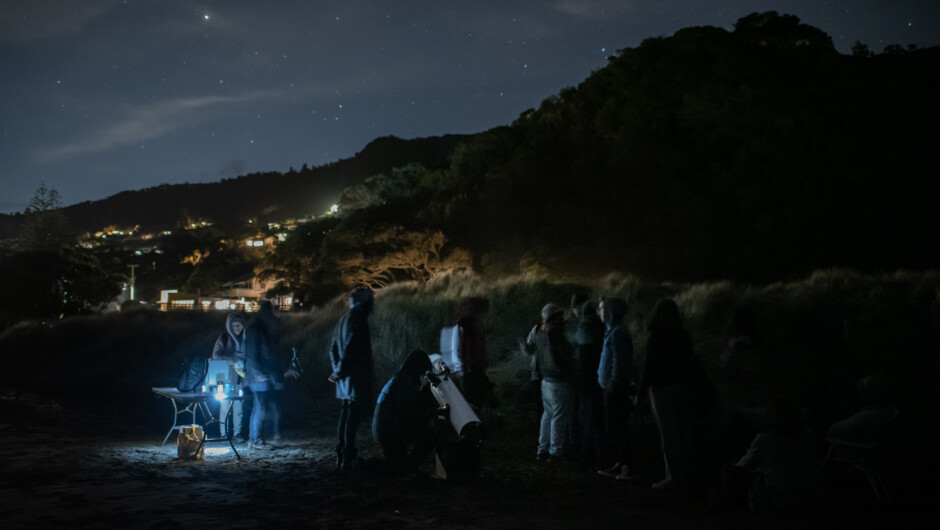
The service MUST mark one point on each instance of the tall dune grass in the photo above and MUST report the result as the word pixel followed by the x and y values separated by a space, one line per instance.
pixel 834 323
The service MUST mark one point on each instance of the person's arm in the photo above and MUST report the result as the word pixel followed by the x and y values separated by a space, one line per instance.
pixel 754 454
pixel 218 350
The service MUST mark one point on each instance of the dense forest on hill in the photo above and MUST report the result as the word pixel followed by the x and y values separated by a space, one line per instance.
pixel 756 154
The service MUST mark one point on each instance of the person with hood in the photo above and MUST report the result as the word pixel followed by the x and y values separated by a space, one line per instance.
pixel 404 414
pixel 464 350
pixel 230 346
pixel 263 373
pixel 351 359
pixel 668 377
pixel 589 341
pixel 555 361
pixel 615 374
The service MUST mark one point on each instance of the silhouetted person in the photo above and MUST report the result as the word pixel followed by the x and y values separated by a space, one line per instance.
pixel 740 389
pixel 668 377
pixel 263 373
pixel 404 415
pixel 616 375
pixel 780 472
pixel 351 358
pixel 588 342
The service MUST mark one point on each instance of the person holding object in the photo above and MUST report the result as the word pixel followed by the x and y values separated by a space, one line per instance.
pixel 351 359
pixel 230 346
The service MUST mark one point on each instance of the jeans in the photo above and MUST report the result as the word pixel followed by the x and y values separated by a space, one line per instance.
pixel 236 406
pixel 258 414
pixel 556 417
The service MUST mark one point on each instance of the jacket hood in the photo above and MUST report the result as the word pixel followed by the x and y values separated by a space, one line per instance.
pixel 615 309
pixel 416 364
pixel 235 317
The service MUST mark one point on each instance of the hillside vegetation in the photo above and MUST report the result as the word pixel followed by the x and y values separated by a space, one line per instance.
pixel 757 154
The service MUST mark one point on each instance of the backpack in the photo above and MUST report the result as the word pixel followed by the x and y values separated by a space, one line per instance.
pixel 192 373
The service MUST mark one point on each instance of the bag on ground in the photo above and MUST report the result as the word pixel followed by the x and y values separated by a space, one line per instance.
pixel 190 442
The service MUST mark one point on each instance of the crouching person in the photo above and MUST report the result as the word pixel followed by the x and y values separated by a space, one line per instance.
pixel 403 423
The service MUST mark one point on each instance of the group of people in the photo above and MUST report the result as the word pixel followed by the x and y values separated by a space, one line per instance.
pixel 583 360
pixel 250 348
pixel 407 419
pixel 592 369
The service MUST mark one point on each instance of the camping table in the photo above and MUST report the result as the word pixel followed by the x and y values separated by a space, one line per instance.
pixel 191 403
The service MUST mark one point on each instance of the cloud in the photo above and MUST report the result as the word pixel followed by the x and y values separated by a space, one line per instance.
pixel 146 123
pixel 591 9
pixel 31 20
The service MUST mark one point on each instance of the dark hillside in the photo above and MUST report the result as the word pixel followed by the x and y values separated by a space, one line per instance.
pixel 758 154
pixel 269 195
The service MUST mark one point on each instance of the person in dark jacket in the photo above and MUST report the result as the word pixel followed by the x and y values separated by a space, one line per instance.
pixel 230 346
pixel 262 373
pixel 351 358
pixel 555 361
pixel 589 340
pixel 402 423
pixel 615 374
pixel 668 377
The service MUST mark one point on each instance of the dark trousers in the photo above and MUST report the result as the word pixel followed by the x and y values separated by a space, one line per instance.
pixel 617 411
pixel 259 412
pixel 407 451
pixel 349 418
pixel 593 435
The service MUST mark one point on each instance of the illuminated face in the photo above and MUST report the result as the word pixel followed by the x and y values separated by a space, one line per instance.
pixel 600 311
pixel 237 327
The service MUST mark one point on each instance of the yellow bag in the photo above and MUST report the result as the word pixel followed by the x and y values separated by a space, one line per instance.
pixel 190 442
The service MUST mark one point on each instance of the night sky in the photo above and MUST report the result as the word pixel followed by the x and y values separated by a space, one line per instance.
pixel 101 96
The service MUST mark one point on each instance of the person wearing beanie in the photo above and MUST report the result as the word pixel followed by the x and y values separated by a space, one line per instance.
pixel 554 360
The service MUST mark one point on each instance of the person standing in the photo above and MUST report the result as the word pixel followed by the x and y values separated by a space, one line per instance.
pixel 230 346
pixel 464 350
pixel 351 359
pixel 589 341
pixel 615 374
pixel 555 361
pixel 262 373
pixel 668 378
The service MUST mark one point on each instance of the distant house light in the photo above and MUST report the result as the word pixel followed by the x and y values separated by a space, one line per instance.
pixel 258 243
pixel 250 243
pixel 334 208
pixel 223 305
pixel 167 232
pixel 282 236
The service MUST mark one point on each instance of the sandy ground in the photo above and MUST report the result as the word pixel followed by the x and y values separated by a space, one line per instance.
pixel 74 467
